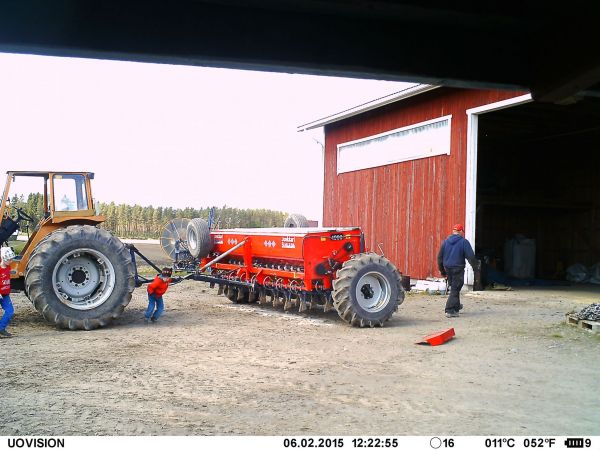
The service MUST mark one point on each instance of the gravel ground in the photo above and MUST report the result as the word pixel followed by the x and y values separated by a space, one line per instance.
pixel 210 367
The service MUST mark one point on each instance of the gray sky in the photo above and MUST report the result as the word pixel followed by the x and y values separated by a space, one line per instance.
pixel 175 136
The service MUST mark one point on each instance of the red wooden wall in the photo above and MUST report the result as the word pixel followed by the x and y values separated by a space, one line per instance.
pixel 408 207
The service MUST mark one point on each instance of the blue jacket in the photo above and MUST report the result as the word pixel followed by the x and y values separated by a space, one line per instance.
pixel 453 252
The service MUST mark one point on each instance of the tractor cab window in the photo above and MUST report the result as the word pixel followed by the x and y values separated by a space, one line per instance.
pixel 23 206
pixel 69 193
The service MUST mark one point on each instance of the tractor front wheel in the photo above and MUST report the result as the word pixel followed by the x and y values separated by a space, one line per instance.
pixel 80 277
pixel 367 290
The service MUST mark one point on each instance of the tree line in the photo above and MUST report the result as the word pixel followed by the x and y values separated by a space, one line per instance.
pixel 148 222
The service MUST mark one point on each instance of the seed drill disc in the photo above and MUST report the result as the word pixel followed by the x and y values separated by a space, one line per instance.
pixel 174 232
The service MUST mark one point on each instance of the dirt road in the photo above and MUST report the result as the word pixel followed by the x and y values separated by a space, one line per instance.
pixel 213 368
pixel 154 253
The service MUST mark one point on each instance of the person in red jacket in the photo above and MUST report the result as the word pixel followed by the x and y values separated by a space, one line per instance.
pixel 6 256
pixel 156 290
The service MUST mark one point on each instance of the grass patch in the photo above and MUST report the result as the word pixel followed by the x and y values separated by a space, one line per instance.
pixel 17 246
pixel 147 271
pixel 521 331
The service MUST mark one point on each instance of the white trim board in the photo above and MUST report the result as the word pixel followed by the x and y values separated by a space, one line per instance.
pixel 471 182
pixel 402 144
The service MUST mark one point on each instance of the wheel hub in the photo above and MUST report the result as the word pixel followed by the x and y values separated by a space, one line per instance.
pixel 83 279
pixel 367 291
pixel 78 276
pixel 192 239
pixel 373 291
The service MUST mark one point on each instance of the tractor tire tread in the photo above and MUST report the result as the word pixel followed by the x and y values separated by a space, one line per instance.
pixel 38 277
pixel 348 307
pixel 201 245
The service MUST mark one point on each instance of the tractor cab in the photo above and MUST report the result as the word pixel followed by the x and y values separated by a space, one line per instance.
pixel 76 274
pixel 37 203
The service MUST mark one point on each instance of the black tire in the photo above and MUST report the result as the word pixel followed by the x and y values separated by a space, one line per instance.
pixel 367 290
pixel 198 238
pixel 80 277
pixel 232 295
pixel 296 221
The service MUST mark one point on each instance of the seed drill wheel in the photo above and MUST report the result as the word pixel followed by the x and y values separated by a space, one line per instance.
pixel 296 221
pixel 367 290
pixel 174 237
pixel 80 277
pixel 198 238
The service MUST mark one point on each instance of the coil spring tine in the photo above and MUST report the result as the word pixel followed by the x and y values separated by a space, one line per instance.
pixel 303 304
pixel 328 302
pixel 288 301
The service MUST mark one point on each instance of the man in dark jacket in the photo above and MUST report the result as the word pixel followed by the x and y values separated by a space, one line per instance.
pixel 451 262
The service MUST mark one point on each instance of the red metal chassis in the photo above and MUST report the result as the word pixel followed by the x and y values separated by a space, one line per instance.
pixel 287 259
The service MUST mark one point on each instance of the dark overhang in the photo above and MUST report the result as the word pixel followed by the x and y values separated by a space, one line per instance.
pixel 549 49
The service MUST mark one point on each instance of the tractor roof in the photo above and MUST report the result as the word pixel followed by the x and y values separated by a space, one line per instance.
pixel 28 173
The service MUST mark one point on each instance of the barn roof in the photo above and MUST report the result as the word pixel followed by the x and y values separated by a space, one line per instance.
pixel 373 104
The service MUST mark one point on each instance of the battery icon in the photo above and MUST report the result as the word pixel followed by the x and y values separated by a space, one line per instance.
pixel 574 442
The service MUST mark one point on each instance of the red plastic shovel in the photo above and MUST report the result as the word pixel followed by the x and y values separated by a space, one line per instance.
pixel 438 338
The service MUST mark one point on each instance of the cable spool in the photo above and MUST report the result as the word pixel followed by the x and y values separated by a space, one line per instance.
pixel 173 238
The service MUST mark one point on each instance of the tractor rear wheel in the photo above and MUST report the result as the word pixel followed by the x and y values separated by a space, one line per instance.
pixel 80 277
pixel 198 238
pixel 367 290
pixel 296 221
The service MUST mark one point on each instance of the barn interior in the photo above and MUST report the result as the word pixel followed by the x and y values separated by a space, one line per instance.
pixel 538 189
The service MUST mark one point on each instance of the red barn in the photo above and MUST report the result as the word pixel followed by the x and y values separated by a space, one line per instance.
pixel 408 166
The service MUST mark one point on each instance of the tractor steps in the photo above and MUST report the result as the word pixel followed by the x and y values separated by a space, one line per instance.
pixel 590 325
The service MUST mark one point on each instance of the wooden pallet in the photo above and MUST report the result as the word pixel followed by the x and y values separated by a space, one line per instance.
pixel 590 325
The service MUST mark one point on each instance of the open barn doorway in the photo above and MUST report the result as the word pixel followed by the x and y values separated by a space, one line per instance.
pixel 537 202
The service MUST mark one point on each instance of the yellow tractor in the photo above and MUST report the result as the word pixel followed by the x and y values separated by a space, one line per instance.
pixel 76 274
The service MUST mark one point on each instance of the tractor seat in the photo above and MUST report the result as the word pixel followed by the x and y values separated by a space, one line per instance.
pixel 7 229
